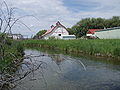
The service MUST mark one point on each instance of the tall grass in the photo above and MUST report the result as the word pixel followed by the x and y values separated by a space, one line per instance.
pixel 10 53
pixel 106 47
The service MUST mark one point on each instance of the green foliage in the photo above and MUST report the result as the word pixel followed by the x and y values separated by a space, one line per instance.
pixel 20 49
pixel 39 34
pixel 107 47
pixel 52 38
pixel 5 40
pixel 71 32
pixel 81 28
pixel 8 41
pixel 117 51
pixel 9 52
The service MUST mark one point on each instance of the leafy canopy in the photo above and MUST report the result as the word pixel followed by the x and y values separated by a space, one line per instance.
pixel 80 28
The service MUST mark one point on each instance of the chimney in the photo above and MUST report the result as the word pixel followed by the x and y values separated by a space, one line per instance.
pixel 52 26
pixel 58 23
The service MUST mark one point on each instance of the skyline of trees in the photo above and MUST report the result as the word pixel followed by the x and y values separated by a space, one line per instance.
pixel 80 28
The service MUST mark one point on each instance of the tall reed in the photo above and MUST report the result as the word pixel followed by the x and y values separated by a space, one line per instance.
pixel 103 47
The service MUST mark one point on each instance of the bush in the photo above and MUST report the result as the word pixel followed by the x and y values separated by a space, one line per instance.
pixel 20 49
pixel 8 41
pixel 9 53
pixel 52 38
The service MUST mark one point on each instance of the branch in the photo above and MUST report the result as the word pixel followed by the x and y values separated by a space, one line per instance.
pixel 1 22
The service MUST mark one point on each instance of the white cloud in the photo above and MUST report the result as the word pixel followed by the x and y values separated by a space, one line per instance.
pixel 50 11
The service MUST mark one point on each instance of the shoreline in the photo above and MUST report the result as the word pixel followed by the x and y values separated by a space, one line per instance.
pixel 68 48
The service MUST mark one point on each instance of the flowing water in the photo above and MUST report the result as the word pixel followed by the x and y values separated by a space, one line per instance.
pixel 66 72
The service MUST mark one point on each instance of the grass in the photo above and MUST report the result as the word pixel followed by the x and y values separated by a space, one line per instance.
pixel 10 53
pixel 102 47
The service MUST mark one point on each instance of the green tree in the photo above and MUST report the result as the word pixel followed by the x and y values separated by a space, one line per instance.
pixel 39 34
pixel 81 27
pixel 70 31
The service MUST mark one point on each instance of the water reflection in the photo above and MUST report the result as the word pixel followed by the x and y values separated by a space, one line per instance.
pixel 72 73
pixel 57 58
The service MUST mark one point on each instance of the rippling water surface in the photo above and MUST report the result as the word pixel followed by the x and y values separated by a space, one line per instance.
pixel 65 72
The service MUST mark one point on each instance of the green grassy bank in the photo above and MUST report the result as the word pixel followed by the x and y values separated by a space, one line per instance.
pixel 11 53
pixel 108 47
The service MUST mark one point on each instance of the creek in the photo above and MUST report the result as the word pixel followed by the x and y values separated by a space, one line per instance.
pixel 69 72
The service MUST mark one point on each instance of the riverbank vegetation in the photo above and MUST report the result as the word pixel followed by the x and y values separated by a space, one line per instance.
pixel 109 48
pixel 10 50
pixel 11 53
pixel 39 34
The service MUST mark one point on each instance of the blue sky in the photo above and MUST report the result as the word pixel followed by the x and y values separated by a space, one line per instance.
pixel 68 12
pixel 80 5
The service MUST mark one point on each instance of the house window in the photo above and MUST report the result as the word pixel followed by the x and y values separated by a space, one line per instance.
pixel 59 34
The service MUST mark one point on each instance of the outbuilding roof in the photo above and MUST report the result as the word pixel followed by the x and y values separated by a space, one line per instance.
pixel 92 31
pixel 108 29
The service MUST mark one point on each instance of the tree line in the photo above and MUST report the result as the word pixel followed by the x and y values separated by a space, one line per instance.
pixel 80 28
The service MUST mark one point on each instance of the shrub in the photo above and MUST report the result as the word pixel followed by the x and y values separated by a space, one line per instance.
pixel 8 41
pixel 52 38
pixel 20 49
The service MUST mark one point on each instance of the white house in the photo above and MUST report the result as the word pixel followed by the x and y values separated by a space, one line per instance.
pixel 58 31
pixel 15 36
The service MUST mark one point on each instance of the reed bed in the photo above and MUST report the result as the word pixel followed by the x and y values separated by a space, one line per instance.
pixel 98 47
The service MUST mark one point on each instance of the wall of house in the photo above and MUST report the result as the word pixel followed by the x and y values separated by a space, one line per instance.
pixel 89 34
pixel 68 37
pixel 47 36
pixel 15 37
pixel 108 34
pixel 57 33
